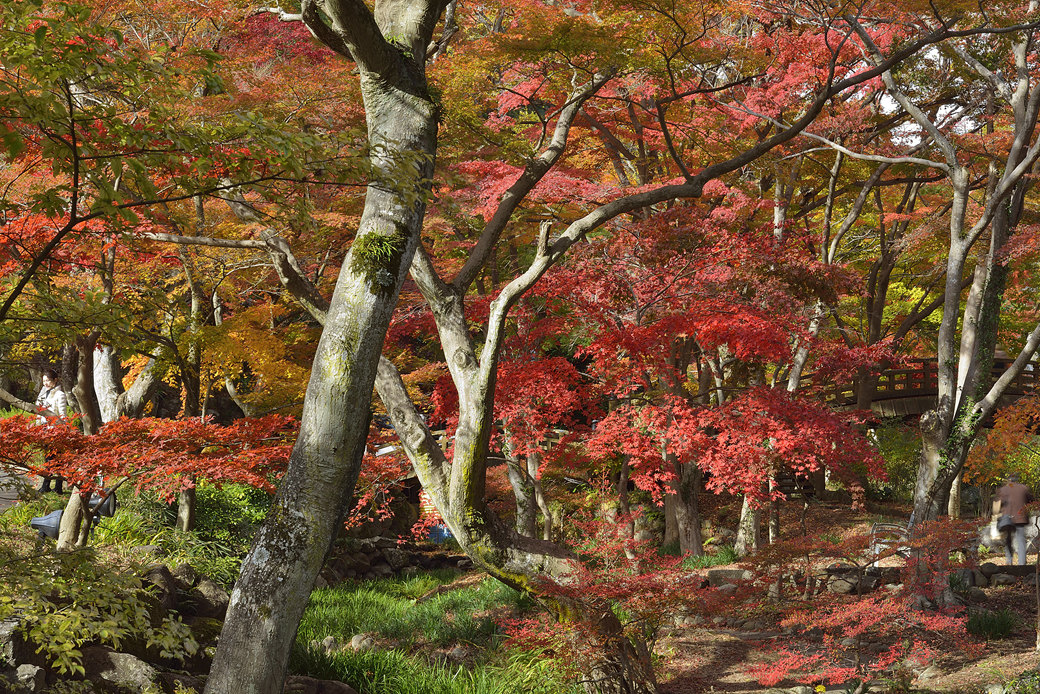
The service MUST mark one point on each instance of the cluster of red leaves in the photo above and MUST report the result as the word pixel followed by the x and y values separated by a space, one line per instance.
pixel 616 572
pixel 161 454
pixel 892 618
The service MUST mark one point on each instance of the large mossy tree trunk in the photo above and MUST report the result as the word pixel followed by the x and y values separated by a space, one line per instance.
pixel 277 575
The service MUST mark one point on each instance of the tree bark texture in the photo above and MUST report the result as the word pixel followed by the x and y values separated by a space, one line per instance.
pixel 279 572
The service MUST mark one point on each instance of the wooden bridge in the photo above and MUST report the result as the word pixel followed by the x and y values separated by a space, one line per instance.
pixel 915 390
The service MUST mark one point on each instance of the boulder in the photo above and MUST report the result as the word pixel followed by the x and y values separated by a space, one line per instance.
pixel 160 576
pixel 185 576
pixel 719 577
pixel 980 580
pixel 842 584
pixel 121 671
pixel 1002 579
pixel 297 684
pixel 14 648
pixel 988 569
pixel 212 600
pixel 171 680
pixel 976 594
pixel 397 558
pixel 362 642
pixel 31 677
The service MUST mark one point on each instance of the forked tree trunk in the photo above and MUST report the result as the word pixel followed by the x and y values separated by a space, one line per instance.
pixel 289 549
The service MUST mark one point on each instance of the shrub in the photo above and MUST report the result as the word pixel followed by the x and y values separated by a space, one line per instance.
pixel 992 626
pixel 64 601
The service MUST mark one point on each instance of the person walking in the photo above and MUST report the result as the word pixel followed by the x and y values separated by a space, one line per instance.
pixel 51 399
pixel 1013 498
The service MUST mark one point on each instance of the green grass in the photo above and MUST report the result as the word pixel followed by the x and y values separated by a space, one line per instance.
pixel 724 555
pixel 387 609
pixel 394 672
pixel 992 625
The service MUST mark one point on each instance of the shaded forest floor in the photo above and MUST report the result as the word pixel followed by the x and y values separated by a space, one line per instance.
pixel 722 658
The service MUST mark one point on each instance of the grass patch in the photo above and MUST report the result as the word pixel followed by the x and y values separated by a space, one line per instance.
pixel 394 672
pixel 992 626
pixel 724 555
pixel 388 609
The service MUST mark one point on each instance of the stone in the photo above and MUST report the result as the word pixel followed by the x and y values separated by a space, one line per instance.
pixel 930 673
pixel 720 577
pixel 842 584
pixel 360 562
pixel 185 576
pixel 988 569
pixel 719 621
pixel 1002 580
pixel 320 582
pixel 298 684
pixel 848 643
pixel 962 579
pixel 382 571
pixel 976 594
pixel 32 677
pixel 362 642
pixel 212 600
pixel 110 667
pixel 397 558
pixel 727 588
pixel 172 680
pixel 14 648
pixel 801 689
pixel 755 625
pixel 979 578
pixel 148 550
pixel 997 689
pixel 160 576
pixel 330 644
pixel 458 654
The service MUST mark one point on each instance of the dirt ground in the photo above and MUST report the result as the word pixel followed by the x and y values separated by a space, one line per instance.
pixel 721 659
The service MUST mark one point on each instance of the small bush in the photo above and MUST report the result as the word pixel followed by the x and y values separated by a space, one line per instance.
pixel 725 555
pixel 991 626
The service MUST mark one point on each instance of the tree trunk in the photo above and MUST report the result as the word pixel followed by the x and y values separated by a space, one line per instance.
pixel 671 522
pixel 186 510
pixel 749 531
pixel 955 496
pixel 625 666
pixel 108 382
pixel 687 511
pixel 523 490
pixel 289 549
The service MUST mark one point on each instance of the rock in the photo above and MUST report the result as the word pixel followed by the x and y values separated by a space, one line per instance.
pixel 177 681
pixel 458 654
pixel 842 584
pixel 727 588
pixel 31 677
pixel 976 594
pixel 699 621
pixel 801 689
pixel 330 644
pixel 108 667
pixel 160 576
pixel 719 621
pixel 719 577
pixel 14 648
pixel 962 579
pixel 211 598
pixel 360 562
pixel 464 564
pixel 298 684
pixel 755 625
pixel 848 643
pixel 148 550
pixel 979 578
pixel 362 642
pixel 930 673
pixel 185 576
pixel 206 630
pixel 320 582
pixel 397 558
pixel 1002 580
pixel 988 569
pixel 997 689
pixel 382 571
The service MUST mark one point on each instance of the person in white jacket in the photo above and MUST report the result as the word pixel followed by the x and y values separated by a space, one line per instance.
pixel 51 401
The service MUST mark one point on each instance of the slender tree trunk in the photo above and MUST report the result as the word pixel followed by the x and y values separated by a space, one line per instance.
pixel 749 531
pixel 687 510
